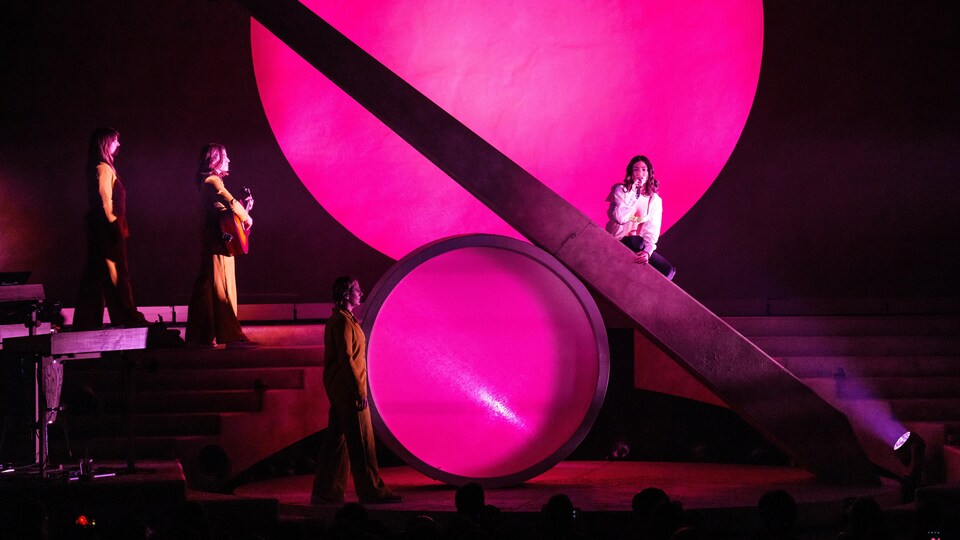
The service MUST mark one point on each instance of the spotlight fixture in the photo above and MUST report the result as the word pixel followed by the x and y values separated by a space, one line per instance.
pixel 910 448
pixel 900 442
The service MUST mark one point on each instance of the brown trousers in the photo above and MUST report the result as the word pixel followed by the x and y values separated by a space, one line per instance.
pixel 212 313
pixel 349 444
pixel 106 280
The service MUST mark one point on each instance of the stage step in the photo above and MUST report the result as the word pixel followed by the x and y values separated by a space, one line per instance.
pixel 145 425
pixel 246 403
pixel 926 409
pixel 792 345
pixel 906 367
pixel 216 358
pixel 279 335
pixel 871 366
pixel 846 326
pixel 845 307
pixel 286 335
pixel 149 402
pixel 115 448
pixel 902 387
pixel 167 379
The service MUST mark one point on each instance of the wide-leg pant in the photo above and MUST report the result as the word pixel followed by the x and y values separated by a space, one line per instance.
pixel 212 313
pixel 349 445
pixel 106 281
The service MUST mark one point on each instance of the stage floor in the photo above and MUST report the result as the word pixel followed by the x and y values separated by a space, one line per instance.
pixel 725 492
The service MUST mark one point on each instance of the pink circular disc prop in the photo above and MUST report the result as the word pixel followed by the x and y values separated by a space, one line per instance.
pixel 568 90
pixel 487 360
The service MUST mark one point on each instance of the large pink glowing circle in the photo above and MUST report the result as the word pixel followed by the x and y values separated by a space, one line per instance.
pixel 487 360
pixel 569 90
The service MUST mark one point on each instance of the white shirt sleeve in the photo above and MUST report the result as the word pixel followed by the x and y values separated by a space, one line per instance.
pixel 624 206
pixel 650 229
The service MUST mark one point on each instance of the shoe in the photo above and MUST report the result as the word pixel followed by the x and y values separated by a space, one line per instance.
pixel 243 344
pixel 323 499
pixel 138 321
pixel 392 498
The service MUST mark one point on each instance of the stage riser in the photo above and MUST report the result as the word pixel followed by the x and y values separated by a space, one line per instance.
pixel 205 379
pixel 287 335
pixel 872 366
pixel 940 410
pixel 115 448
pixel 266 356
pixel 836 307
pixel 185 402
pixel 777 346
pixel 907 365
pixel 251 403
pixel 900 388
pixel 846 326
pixel 152 425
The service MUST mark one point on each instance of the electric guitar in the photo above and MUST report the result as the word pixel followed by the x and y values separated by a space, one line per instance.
pixel 235 238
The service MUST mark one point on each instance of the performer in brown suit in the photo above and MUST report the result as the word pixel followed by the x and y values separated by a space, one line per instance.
pixel 349 439
pixel 106 276
pixel 212 313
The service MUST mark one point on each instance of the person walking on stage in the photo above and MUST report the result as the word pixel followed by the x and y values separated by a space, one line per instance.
pixel 349 439
pixel 106 276
pixel 212 314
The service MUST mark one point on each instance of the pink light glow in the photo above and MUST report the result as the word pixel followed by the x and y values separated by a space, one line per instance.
pixel 482 362
pixel 569 90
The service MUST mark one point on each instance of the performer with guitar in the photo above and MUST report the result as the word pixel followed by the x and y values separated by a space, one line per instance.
pixel 212 312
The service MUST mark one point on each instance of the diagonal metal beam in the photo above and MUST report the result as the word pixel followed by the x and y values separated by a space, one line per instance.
pixel 787 412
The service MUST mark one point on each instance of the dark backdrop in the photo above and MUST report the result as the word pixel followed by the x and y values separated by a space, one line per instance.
pixel 844 183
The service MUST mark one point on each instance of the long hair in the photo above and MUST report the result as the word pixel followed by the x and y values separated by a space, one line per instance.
pixel 211 159
pixel 99 149
pixel 653 185
pixel 341 286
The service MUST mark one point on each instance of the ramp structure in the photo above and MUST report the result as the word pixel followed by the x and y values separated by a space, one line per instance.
pixel 778 405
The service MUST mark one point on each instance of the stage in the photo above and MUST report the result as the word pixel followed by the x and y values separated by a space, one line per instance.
pixel 725 495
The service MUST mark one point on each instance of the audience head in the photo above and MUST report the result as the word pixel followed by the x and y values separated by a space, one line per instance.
pixel 667 517
pixel 421 528
pixel 644 502
pixel 862 515
pixel 688 533
pixel 558 516
pixel 778 511
pixel 470 500
pixel 352 513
